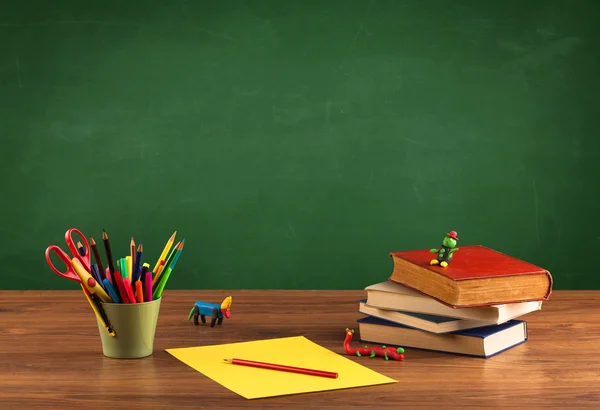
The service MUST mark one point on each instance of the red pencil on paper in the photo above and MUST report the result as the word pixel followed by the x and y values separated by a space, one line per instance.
pixel 280 367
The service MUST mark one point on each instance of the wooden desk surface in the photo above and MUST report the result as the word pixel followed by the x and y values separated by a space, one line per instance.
pixel 50 356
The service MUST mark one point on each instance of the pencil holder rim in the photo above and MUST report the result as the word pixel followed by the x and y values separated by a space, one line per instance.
pixel 132 305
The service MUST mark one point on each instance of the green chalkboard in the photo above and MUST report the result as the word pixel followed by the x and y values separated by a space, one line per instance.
pixel 296 144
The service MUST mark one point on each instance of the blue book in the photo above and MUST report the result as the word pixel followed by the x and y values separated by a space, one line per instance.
pixel 483 341
pixel 422 321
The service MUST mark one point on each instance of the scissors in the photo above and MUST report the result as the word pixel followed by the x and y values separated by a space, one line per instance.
pixel 78 270
pixel 84 260
pixel 78 267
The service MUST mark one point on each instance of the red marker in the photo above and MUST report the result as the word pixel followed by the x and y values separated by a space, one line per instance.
pixel 120 287
pixel 128 290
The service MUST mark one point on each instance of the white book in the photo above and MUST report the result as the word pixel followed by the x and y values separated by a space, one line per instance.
pixel 393 296
pixel 422 321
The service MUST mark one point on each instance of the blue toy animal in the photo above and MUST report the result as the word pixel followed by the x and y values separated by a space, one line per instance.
pixel 215 311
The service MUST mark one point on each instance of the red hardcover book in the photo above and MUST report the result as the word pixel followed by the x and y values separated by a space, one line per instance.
pixel 476 276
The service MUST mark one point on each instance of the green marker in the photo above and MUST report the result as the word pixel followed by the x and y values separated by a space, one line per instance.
pixel 162 281
pixel 123 264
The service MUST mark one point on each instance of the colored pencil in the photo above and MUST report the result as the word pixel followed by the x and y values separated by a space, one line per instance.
pixel 132 263
pixel 128 279
pixel 177 255
pixel 80 249
pixel 280 367
pixel 162 280
pixel 165 251
pixel 157 274
pixel 96 274
pixel 148 287
pixel 138 261
pixel 165 276
pixel 166 264
pixel 109 255
pixel 97 257
pixel 172 254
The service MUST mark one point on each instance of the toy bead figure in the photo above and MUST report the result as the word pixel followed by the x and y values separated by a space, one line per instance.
pixel 215 311
pixel 444 254
pixel 383 351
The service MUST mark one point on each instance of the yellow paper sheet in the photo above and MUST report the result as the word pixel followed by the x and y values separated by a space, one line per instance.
pixel 298 351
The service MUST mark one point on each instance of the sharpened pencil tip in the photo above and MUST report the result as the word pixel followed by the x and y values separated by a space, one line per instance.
pixel 227 360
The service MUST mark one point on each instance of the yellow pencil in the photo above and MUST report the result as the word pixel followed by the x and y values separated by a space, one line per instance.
pixel 128 262
pixel 163 255
pixel 132 260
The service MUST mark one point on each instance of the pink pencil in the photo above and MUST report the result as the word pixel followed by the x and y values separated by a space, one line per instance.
pixel 148 289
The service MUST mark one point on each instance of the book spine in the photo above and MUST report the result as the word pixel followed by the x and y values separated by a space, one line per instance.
pixel 550 282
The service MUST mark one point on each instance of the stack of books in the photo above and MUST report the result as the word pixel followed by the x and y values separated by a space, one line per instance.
pixel 474 306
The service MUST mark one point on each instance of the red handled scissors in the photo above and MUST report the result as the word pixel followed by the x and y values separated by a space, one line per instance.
pixel 71 274
pixel 83 259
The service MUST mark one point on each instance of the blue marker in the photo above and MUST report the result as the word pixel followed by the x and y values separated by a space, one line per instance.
pixel 111 291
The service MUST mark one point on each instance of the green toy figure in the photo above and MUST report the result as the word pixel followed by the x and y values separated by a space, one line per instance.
pixel 444 254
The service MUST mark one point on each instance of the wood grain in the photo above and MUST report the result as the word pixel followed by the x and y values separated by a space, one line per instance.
pixel 50 356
